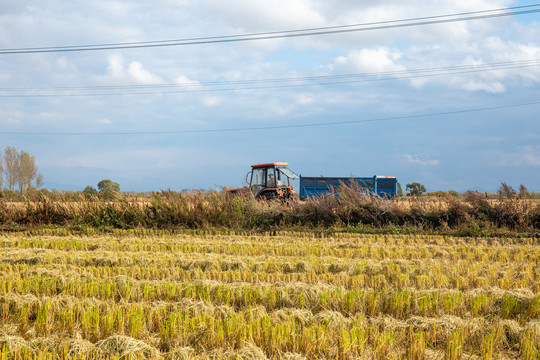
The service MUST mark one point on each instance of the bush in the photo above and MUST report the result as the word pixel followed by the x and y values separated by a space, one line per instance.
pixel 348 209
pixel 415 189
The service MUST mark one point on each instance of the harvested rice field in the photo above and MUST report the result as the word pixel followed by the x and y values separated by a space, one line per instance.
pixel 284 295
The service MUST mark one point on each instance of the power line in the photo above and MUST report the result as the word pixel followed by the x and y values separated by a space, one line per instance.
pixel 391 24
pixel 273 127
pixel 291 82
pixel 478 67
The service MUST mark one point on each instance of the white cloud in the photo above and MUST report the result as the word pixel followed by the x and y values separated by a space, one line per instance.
pixel 406 61
pixel 369 60
pixel 211 101
pixel 176 2
pixel 255 15
pixel 475 85
pixel 55 22
pixel 46 115
pixel 414 159
pixel 529 156
pixel 104 121
pixel 304 99
pixel 115 8
pixel 11 6
pixel 12 120
pixel 524 156
pixel 184 80
pixel 532 159
pixel 65 64
pixel 267 15
pixel 141 75
pixel 135 71
pixel 116 66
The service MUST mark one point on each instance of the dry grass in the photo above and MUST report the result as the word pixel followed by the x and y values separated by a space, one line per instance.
pixel 283 295
pixel 127 348
pixel 471 214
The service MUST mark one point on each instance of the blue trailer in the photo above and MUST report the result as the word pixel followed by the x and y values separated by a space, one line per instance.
pixel 383 186
pixel 275 180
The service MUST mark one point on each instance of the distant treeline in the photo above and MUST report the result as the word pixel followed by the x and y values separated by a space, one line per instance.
pixel 471 214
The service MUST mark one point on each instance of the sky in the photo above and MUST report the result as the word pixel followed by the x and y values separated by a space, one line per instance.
pixel 452 105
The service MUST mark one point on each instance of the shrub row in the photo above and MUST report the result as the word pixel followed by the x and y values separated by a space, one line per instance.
pixel 471 214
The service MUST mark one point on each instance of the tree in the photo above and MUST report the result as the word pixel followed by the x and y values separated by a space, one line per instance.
pixel 108 188
pixel 415 189
pixel 1 171
pixel 39 181
pixel 89 191
pixel 399 189
pixel 27 171
pixel 11 164
pixel 19 169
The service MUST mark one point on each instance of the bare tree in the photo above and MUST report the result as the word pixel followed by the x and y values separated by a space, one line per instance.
pixel 1 172
pixel 39 181
pixel 19 169
pixel 11 167
pixel 27 171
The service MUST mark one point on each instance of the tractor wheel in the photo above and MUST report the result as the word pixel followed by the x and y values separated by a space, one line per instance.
pixel 268 195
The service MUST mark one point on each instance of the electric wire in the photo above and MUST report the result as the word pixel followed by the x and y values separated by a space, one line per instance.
pixel 290 82
pixel 322 80
pixel 380 25
pixel 479 67
pixel 274 127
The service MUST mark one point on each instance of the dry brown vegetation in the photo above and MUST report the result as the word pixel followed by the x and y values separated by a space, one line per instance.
pixel 470 215
pixel 145 294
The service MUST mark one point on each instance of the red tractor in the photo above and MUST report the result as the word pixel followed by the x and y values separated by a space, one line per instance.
pixel 269 181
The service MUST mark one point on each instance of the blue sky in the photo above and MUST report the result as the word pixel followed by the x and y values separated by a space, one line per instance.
pixel 455 150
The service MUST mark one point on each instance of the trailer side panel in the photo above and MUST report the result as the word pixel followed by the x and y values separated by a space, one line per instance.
pixel 383 186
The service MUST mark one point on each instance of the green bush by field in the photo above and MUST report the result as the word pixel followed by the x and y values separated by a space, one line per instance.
pixel 469 215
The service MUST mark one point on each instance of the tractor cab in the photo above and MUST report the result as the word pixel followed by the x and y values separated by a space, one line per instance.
pixel 272 180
